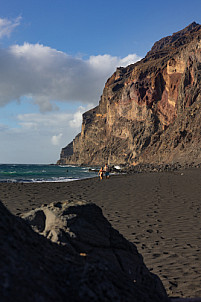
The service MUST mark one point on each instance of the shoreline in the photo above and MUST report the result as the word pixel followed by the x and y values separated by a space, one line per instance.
pixel 43 181
pixel 114 170
pixel 159 212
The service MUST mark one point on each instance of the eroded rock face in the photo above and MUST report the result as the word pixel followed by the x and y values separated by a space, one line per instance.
pixel 140 102
pixel 84 260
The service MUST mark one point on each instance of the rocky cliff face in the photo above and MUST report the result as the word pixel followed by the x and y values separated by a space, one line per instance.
pixel 149 111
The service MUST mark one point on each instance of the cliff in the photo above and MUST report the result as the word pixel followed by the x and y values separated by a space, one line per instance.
pixel 149 111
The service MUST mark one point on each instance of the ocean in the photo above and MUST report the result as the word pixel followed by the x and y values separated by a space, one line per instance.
pixel 43 173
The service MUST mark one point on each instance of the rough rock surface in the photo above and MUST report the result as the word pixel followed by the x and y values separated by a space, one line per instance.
pixel 149 111
pixel 85 260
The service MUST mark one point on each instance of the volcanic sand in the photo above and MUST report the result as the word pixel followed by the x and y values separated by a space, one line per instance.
pixel 159 212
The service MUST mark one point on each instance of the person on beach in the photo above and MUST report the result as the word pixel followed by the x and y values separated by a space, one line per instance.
pixel 107 170
pixel 100 173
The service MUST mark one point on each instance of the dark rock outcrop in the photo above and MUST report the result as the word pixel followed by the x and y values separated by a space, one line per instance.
pixel 85 260
pixel 149 111
pixel 67 151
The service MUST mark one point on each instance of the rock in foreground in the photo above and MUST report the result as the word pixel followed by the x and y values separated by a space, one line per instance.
pixel 85 260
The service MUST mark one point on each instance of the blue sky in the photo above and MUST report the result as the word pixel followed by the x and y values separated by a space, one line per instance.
pixel 56 55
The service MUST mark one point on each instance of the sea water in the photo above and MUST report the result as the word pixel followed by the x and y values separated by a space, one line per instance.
pixel 43 173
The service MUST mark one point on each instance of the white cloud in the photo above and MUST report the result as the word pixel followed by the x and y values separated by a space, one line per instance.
pixel 59 122
pixel 130 59
pixel 39 121
pixel 76 120
pixel 7 26
pixel 56 139
pixel 107 63
pixel 39 137
pixel 45 75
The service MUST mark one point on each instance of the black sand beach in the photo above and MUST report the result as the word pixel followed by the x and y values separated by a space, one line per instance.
pixel 159 212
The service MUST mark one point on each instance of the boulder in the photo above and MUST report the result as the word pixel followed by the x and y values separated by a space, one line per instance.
pixel 69 252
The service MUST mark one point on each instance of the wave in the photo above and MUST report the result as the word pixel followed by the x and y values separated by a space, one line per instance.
pixel 117 167
pixel 40 180
pixel 8 173
pixel 43 173
pixel 68 166
pixel 63 166
pixel 37 180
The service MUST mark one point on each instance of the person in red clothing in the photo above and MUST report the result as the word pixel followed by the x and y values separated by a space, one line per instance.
pixel 100 173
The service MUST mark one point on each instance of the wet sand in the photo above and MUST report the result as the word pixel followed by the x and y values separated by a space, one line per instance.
pixel 159 212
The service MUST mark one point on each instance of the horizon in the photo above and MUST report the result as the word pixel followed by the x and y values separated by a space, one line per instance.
pixel 56 58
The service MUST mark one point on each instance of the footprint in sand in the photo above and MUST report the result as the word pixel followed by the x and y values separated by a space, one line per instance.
pixel 156 255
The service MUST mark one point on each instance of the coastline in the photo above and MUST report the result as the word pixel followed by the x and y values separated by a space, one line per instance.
pixel 159 212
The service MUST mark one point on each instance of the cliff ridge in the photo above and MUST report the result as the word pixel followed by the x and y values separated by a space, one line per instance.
pixel 149 111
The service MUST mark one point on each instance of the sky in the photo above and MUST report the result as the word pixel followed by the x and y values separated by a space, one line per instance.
pixel 55 57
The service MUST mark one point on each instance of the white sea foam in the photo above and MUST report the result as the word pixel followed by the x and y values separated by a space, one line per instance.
pixel 43 173
pixel 117 167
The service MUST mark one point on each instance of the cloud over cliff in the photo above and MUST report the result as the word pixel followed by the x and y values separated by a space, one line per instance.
pixel 46 75
pixel 61 86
